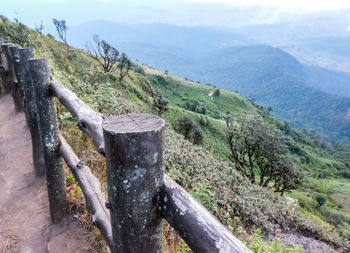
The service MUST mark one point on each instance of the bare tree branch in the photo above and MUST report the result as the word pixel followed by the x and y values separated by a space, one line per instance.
pixel 62 28
pixel 103 53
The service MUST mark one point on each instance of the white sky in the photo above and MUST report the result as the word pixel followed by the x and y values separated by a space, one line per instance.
pixel 311 5
pixel 180 12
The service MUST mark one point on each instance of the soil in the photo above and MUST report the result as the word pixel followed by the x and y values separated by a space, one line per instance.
pixel 310 245
pixel 25 223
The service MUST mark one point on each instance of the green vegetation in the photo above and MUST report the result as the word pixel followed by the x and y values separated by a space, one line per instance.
pixel 259 152
pixel 325 164
pixel 249 210
pixel 274 78
pixel 190 130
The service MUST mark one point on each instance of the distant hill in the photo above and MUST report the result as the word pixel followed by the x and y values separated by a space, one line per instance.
pixel 329 81
pixel 204 169
pixel 178 39
pixel 304 96
pixel 275 78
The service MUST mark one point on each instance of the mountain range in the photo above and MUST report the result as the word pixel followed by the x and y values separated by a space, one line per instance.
pixel 241 59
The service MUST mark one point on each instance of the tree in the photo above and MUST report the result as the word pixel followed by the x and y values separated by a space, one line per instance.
pixel 39 28
pixel 62 29
pixel 103 53
pixel 320 199
pixel 161 104
pixel 197 135
pixel 123 66
pixel 190 129
pixel 186 125
pixel 216 93
pixel 259 151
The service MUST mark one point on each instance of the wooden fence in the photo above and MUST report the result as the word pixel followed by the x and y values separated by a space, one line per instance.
pixel 140 195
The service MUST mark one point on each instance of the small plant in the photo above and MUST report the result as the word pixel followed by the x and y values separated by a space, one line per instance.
pixel 320 199
pixel 190 130
pixel 216 93
pixel 161 104
pixel 203 194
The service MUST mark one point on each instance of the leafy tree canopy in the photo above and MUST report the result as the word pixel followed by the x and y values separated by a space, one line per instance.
pixel 260 153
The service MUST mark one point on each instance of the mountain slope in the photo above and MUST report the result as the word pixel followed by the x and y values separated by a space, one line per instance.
pixel 204 170
pixel 276 79
pixel 328 81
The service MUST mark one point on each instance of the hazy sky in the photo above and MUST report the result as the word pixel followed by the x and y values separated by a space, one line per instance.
pixel 310 5
pixel 181 12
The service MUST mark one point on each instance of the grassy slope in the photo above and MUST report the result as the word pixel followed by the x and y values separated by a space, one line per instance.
pixel 274 78
pixel 231 198
pixel 320 163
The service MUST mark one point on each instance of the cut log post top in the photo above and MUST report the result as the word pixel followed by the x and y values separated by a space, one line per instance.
pixel 135 170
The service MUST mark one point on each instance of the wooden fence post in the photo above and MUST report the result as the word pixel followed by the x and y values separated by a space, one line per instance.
pixel 134 146
pixel 12 80
pixel 5 68
pixel 17 90
pixel 49 136
pixel 2 68
pixel 21 68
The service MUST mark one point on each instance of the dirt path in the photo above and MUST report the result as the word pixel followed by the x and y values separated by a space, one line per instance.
pixel 25 224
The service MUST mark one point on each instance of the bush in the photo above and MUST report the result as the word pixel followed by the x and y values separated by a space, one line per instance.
pixel 216 93
pixel 195 106
pixel 197 135
pixel 344 174
pixel 320 199
pixel 161 80
pixel 190 129
pixel 334 217
pixel 138 69
pixel 161 104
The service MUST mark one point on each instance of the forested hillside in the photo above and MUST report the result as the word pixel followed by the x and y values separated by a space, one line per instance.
pixel 274 78
pixel 236 60
pixel 319 206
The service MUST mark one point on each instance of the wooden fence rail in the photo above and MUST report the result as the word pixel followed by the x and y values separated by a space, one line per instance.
pixel 139 193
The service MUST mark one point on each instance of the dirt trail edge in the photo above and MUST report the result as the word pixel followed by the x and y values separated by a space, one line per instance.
pixel 25 224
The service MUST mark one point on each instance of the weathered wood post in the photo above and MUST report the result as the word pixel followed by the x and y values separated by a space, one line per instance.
pixel 6 74
pixel 134 146
pixel 49 136
pixel 21 68
pixel 2 68
pixel 17 90
pixel 12 80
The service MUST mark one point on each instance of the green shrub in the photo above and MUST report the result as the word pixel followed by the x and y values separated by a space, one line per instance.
pixel 320 199
pixel 334 217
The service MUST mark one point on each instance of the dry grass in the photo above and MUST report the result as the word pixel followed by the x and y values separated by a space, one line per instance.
pixel 10 240
pixel 85 150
